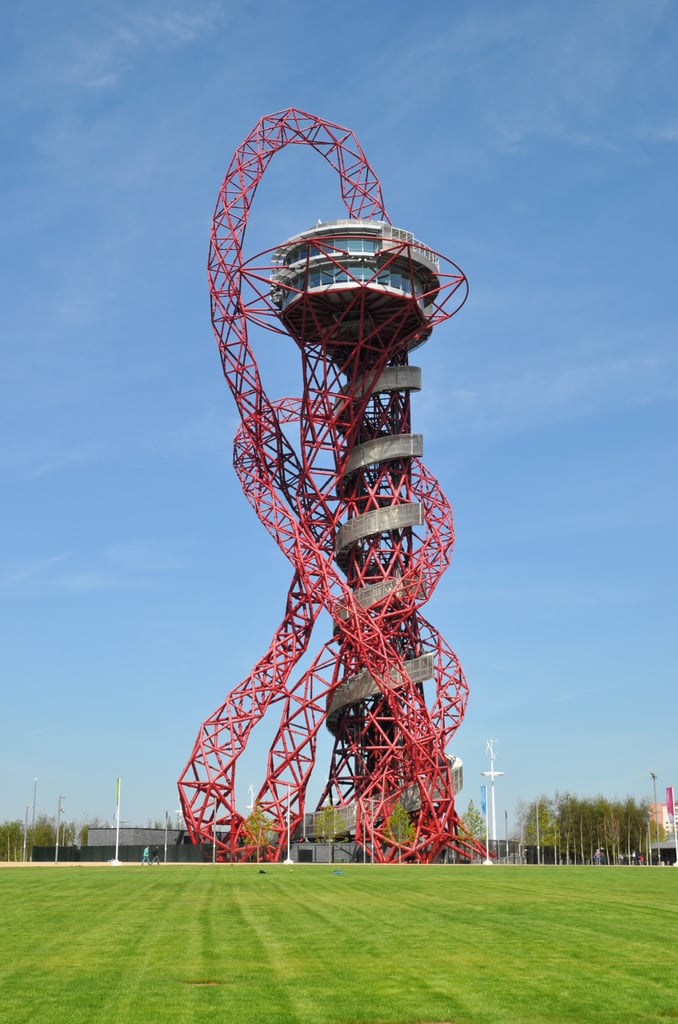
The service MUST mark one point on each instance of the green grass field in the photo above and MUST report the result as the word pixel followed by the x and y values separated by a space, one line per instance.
pixel 306 945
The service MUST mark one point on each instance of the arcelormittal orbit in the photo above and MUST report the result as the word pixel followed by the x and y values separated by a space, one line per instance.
pixel 336 477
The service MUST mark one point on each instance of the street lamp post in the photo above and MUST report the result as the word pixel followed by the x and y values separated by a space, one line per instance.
pixel 115 860
pixel 289 836
pixel 35 795
pixel 58 819
pixel 506 834
pixel 492 775
pixel 28 807
pixel 649 841
pixel 488 859
pixel 656 817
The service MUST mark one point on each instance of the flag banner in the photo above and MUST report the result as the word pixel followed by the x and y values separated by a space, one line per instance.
pixel 483 800
pixel 669 802
pixel 117 792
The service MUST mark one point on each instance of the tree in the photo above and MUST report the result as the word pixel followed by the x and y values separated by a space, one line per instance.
pixel 11 840
pixel 13 835
pixel 473 822
pixel 575 827
pixel 538 824
pixel 330 825
pixel 612 824
pixel 400 828
pixel 95 822
pixel 565 810
pixel 257 829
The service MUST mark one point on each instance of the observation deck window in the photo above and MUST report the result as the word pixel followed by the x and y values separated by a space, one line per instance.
pixel 327 275
pixel 333 247
pixel 352 244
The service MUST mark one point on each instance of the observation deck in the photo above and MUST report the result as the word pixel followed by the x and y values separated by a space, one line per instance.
pixel 346 277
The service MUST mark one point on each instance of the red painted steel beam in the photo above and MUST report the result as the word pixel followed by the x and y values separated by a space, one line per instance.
pixel 363 523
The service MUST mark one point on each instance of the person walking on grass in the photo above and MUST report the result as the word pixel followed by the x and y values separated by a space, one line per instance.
pixel 145 859
pixel 156 858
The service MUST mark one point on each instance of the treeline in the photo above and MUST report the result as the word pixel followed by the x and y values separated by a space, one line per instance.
pixel 588 830
pixel 576 830
pixel 17 839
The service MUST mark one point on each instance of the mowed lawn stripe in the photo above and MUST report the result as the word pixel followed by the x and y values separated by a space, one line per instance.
pixel 336 949
pixel 357 945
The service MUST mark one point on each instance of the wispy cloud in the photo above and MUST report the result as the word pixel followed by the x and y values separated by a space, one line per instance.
pixel 667 132
pixel 516 393
pixel 97 52
pixel 130 564
pixel 212 431
pixel 31 460
pixel 32 572
pixel 59 460
pixel 101 60
pixel 578 75
pixel 546 595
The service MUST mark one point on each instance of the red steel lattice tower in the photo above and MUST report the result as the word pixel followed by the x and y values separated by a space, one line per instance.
pixel 348 500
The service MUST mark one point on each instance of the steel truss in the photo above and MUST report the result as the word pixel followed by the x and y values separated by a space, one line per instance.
pixel 363 523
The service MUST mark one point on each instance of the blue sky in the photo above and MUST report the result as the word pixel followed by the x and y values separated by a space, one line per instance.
pixel 534 144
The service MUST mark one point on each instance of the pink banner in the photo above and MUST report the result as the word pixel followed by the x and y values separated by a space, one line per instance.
pixel 669 800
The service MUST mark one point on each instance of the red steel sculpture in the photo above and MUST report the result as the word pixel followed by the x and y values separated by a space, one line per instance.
pixel 364 524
